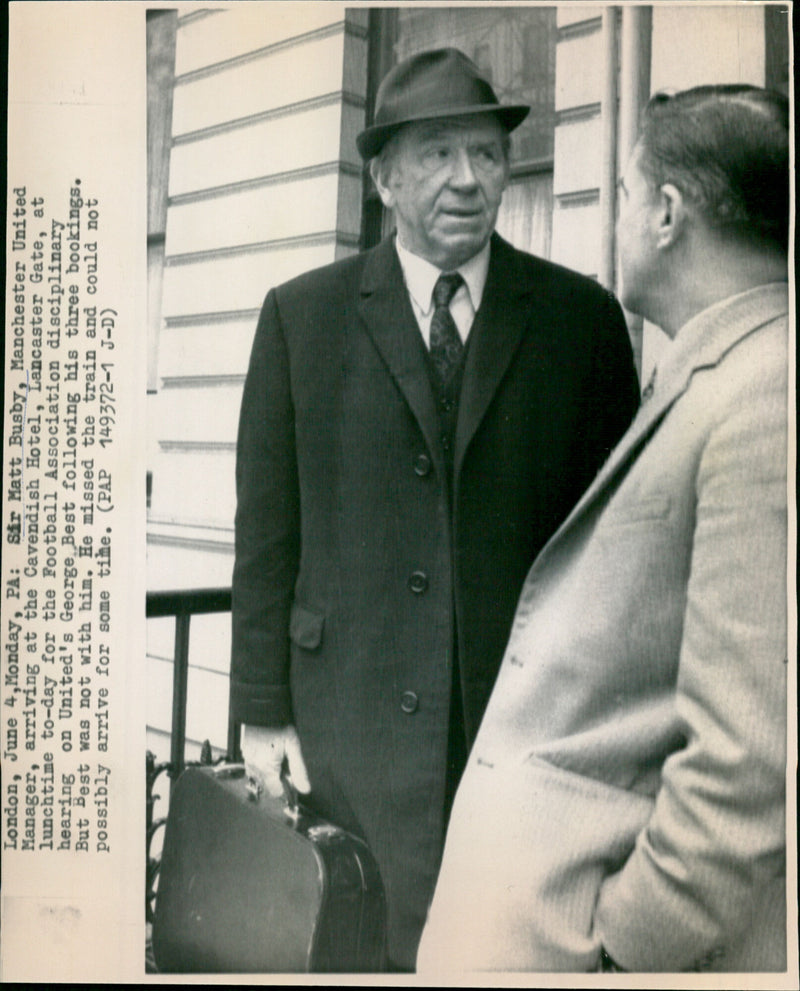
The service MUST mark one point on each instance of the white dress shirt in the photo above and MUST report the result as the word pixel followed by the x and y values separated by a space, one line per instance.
pixel 420 278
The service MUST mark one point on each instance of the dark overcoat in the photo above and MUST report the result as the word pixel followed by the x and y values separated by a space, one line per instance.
pixel 356 565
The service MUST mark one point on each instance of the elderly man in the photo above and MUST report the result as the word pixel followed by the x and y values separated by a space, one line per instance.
pixel 416 422
pixel 623 805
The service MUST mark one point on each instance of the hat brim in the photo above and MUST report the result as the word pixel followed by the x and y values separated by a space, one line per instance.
pixel 370 141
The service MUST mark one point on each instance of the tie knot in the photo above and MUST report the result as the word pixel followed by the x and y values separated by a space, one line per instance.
pixel 446 287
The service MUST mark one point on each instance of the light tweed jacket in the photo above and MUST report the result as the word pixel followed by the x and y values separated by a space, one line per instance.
pixel 626 788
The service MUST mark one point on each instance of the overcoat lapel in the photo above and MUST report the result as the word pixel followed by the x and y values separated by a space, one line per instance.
pixel 494 337
pixel 385 308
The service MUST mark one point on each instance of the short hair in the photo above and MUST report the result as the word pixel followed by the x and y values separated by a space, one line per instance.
pixel 727 149
pixel 380 165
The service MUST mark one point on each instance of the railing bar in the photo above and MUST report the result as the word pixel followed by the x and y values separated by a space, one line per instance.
pixel 180 679
pixel 202 600
pixel 234 748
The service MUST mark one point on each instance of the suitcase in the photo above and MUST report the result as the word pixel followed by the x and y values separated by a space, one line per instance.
pixel 252 884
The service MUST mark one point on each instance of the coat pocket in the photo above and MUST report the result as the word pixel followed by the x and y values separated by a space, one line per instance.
pixel 545 841
pixel 305 627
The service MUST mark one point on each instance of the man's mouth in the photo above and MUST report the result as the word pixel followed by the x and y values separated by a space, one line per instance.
pixel 463 212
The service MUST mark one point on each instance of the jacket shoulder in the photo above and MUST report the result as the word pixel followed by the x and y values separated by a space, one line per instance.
pixel 750 374
pixel 321 283
pixel 561 284
pixel 540 269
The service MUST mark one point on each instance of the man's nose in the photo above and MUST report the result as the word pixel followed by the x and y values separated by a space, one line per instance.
pixel 463 174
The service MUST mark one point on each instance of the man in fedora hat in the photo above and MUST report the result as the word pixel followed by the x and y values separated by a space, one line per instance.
pixel 416 422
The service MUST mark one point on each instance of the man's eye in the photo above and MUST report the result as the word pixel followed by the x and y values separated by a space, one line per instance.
pixel 486 157
pixel 435 157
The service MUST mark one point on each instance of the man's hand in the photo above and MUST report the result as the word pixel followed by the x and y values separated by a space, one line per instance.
pixel 264 751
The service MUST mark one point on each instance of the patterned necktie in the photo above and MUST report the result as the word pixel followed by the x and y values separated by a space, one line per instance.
pixel 446 344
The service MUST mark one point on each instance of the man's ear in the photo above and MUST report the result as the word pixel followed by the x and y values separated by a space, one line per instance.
pixel 672 215
pixel 380 175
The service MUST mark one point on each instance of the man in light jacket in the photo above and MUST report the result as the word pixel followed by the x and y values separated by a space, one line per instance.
pixel 623 806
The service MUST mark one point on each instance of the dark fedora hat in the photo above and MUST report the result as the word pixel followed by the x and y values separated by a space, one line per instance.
pixel 438 83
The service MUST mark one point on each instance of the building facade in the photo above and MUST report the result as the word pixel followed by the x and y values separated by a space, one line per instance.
pixel 254 177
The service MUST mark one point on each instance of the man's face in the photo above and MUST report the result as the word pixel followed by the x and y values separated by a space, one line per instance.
pixel 637 220
pixel 444 180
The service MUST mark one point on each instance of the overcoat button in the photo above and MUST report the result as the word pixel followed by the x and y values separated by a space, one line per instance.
pixel 418 582
pixel 409 702
pixel 445 442
pixel 422 465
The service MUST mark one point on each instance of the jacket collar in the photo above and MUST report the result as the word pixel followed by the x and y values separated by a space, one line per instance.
pixel 705 339
pixel 701 343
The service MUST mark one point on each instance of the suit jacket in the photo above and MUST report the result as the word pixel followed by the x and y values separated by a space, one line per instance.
pixel 626 789
pixel 356 568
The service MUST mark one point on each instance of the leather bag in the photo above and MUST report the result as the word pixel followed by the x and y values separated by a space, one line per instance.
pixel 251 884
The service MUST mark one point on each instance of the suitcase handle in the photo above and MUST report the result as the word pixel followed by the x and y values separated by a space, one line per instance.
pixel 291 804
pixel 291 807
pixel 228 771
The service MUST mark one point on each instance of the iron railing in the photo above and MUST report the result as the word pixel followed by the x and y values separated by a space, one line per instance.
pixel 182 605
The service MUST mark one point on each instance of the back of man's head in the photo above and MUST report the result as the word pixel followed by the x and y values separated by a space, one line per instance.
pixel 727 149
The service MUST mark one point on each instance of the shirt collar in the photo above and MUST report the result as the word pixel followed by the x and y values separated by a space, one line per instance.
pixel 420 276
